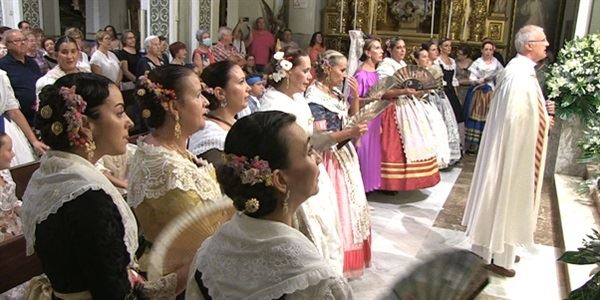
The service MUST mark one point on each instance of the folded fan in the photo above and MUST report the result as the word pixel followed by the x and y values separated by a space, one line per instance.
pixel 454 275
pixel 178 243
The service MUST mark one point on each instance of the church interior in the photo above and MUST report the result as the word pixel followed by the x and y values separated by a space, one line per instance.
pixel 408 227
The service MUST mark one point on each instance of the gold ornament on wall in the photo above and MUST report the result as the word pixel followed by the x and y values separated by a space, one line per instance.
pixel 478 19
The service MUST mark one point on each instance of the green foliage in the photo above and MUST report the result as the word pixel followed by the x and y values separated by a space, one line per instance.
pixel 589 253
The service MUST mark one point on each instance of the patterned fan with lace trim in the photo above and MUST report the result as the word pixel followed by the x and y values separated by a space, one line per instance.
pixel 417 78
pixel 178 243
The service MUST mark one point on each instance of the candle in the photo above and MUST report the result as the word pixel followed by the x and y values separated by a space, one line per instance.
pixel 449 21
pixel 341 16
pixel 432 18
pixel 355 9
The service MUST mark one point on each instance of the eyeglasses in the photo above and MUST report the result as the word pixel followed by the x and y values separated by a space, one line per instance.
pixel 537 41
pixel 17 41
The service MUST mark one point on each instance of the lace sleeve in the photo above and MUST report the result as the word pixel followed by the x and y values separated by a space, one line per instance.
pixel 329 289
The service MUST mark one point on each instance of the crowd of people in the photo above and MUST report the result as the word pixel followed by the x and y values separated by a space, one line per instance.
pixel 238 121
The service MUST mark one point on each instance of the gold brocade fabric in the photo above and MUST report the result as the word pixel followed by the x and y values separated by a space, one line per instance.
pixel 155 214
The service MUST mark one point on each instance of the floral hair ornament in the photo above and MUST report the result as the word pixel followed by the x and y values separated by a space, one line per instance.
pixel 250 171
pixel 163 95
pixel 282 67
pixel 74 116
pixel 207 89
pixel 251 205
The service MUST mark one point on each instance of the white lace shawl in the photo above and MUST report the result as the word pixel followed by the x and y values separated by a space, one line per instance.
pixel 273 99
pixel 450 67
pixel 388 67
pixel 315 95
pixel 212 136
pixel 156 170
pixel 250 258
pixel 62 177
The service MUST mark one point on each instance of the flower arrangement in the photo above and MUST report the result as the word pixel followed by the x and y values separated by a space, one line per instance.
pixel 282 66
pixel 573 79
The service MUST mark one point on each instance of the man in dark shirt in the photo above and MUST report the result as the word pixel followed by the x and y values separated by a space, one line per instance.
pixel 22 71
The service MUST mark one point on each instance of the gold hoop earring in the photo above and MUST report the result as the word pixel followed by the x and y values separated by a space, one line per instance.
pixel 285 202
pixel 90 147
pixel 177 127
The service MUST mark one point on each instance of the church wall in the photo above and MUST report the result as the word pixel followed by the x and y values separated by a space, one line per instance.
pixel 595 18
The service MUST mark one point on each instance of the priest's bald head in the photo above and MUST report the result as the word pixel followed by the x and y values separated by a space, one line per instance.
pixel 531 42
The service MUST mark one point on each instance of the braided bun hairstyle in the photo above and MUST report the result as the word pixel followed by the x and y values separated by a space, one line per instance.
pixel 259 134
pixel 91 87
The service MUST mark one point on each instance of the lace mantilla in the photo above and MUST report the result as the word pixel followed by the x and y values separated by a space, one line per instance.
pixel 156 170
pixel 212 136
pixel 250 258
pixel 62 177
pixel 315 95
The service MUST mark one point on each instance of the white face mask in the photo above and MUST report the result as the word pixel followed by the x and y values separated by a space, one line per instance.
pixel 207 42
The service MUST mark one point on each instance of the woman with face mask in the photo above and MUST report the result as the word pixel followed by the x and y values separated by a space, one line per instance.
pixel 204 44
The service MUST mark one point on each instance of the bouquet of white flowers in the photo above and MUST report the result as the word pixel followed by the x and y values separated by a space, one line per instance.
pixel 573 79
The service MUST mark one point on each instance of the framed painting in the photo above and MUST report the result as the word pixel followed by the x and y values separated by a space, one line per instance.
pixel 408 16
pixel 544 13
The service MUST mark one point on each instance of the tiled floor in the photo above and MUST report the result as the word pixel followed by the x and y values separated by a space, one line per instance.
pixel 404 235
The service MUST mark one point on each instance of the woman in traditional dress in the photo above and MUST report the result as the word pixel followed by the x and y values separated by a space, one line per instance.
pixel 165 179
pixel 450 81
pixel 330 110
pixel 258 254
pixel 227 92
pixel 369 145
pixel 433 105
pixel 408 158
pixel 463 62
pixel 318 217
pixel 477 103
pixel 82 230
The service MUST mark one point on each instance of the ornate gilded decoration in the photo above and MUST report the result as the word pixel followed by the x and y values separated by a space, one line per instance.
pixel 495 30
pixel 477 19
pixel 457 19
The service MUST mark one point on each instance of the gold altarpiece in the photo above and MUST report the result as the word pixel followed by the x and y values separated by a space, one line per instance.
pixel 468 22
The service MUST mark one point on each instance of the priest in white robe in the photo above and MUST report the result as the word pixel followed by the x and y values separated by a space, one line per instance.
pixel 504 198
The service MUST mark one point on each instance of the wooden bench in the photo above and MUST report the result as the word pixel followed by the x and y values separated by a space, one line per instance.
pixel 15 266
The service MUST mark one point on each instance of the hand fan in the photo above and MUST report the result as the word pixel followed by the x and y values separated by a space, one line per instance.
pixel 454 275
pixel 417 78
pixel 178 243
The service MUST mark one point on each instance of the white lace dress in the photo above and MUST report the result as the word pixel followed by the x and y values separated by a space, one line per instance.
pixel 212 136
pixel 249 258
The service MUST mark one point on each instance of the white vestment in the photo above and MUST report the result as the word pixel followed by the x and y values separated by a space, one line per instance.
pixel 503 201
